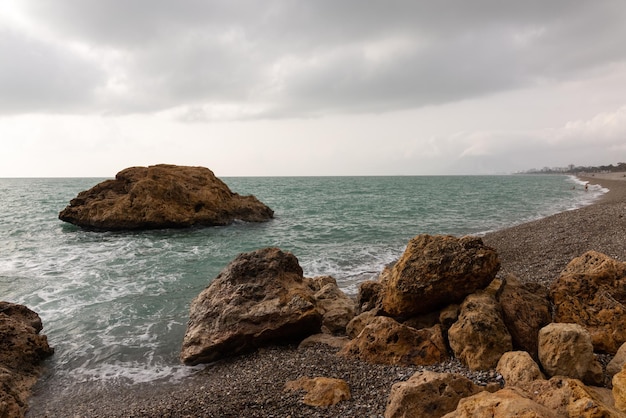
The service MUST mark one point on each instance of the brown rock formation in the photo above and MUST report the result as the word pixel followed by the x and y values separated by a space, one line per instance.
pixel 428 394
pixel 566 350
pixel 336 307
pixel 386 341
pixel 617 363
pixel 436 271
pixel 358 323
pixel 162 196
pixel 261 297
pixel 571 398
pixel 479 337
pixel 22 348
pixel 518 369
pixel 370 294
pixel 619 390
pixel 591 291
pixel 525 310
pixel 506 403
pixel 321 391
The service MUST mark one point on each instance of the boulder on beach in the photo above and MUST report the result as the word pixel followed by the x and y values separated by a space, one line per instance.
pixel 479 337
pixel 435 271
pixel 386 341
pixel 321 391
pixel 591 291
pixel 260 298
pixel 566 350
pixel 162 196
pixel 22 349
pixel 525 309
pixel 429 394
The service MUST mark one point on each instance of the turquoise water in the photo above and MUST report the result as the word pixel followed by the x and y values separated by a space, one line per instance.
pixel 115 305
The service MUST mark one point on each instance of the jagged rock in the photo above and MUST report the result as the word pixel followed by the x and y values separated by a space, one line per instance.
pixel 568 397
pixel 386 341
pixel 260 298
pixel 336 307
pixel 22 349
pixel 505 403
pixel 162 196
pixel 619 390
pixel 518 369
pixel 423 321
pixel 448 316
pixel 525 310
pixel 566 350
pixel 370 294
pixel 617 363
pixel 436 271
pixel 479 337
pixel 356 325
pixel 321 391
pixel 428 394
pixel 591 291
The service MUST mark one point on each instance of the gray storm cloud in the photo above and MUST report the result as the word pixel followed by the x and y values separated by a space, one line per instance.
pixel 293 58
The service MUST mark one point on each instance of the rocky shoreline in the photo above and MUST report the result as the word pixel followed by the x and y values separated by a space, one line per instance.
pixel 253 384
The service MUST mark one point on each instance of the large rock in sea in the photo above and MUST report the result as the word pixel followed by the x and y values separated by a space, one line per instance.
pixel 162 196
pixel 591 291
pixel 260 298
pixel 22 349
pixel 436 271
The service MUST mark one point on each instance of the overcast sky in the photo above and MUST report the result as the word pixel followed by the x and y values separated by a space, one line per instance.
pixel 288 87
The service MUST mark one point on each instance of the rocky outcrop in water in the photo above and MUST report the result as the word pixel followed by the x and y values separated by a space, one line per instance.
pixel 22 349
pixel 162 196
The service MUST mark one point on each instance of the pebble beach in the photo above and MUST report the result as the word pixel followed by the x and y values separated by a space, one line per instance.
pixel 253 385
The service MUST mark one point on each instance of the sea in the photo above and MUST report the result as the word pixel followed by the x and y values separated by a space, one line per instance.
pixel 115 304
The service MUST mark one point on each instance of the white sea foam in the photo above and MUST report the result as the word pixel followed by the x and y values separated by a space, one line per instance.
pixel 129 373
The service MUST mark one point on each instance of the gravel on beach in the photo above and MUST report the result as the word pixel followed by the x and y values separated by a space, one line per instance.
pixel 252 385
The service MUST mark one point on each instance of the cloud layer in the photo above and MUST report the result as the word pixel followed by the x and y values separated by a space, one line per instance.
pixel 213 60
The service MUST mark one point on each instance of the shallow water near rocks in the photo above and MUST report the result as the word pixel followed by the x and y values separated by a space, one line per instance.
pixel 115 305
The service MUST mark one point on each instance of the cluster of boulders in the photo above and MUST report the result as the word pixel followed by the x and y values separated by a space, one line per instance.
pixel 22 349
pixel 441 299
pixel 162 196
